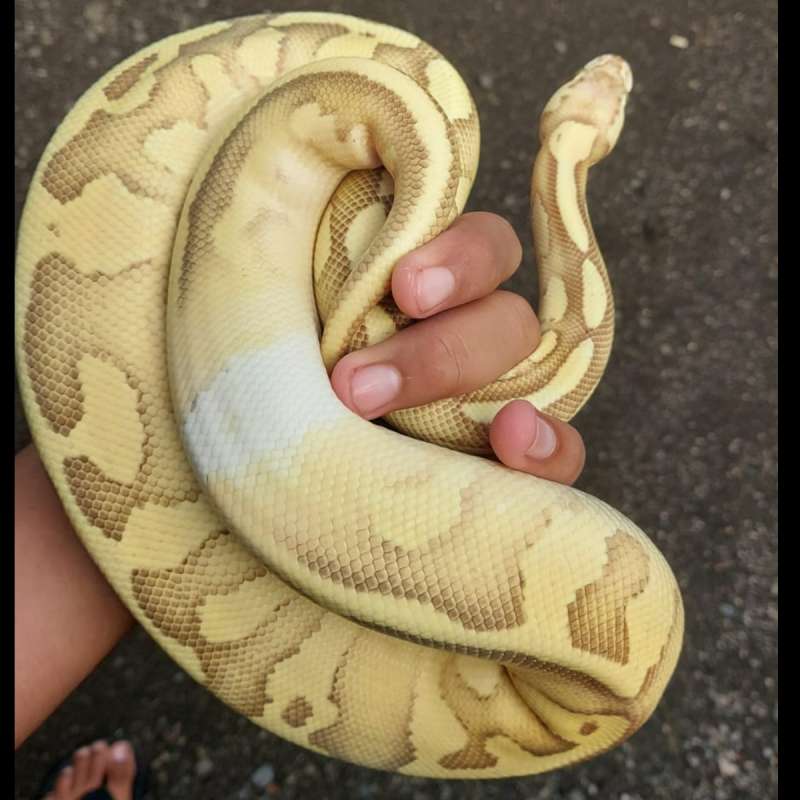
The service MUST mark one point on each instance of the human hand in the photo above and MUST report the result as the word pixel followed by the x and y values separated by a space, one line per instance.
pixel 470 333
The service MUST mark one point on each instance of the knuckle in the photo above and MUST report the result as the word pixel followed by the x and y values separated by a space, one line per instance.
pixel 508 245
pixel 447 361
pixel 508 231
pixel 522 319
pixel 481 253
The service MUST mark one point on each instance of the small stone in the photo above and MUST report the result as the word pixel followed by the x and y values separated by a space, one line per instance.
pixel 95 13
pixel 263 776
pixel 727 767
pixel 727 610
pixel 681 42
pixel 204 767
pixel 725 194
pixel 561 47
pixel 486 80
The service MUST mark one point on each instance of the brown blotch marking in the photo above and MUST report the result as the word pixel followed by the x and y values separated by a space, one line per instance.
pixel 306 37
pixel 340 738
pixel 501 713
pixel 588 728
pixel 114 143
pixel 669 652
pixel 297 712
pixel 128 78
pixel 413 61
pixel 51 343
pixel 597 698
pixel 237 669
pixel 215 191
pixel 56 336
pixel 106 503
pixel 571 330
pixel 359 190
pixel 473 436
pixel 597 615
pixel 491 601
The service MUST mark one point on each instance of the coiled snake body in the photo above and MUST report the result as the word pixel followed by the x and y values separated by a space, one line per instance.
pixel 378 597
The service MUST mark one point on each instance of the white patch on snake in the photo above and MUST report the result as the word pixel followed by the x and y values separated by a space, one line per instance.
pixel 570 144
pixel 554 301
pixel 261 403
pixel 567 378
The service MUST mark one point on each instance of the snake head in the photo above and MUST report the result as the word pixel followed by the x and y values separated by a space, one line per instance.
pixel 595 97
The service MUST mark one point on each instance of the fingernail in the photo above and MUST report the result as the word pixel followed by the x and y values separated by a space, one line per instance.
pixel 373 386
pixel 433 285
pixel 544 440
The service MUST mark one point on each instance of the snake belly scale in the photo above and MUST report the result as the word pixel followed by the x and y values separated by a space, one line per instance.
pixel 212 226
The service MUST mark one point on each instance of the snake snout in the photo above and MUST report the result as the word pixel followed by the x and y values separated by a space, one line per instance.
pixel 594 98
pixel 616 67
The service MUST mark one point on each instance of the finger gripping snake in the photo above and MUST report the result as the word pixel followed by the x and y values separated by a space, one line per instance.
pixel 210 229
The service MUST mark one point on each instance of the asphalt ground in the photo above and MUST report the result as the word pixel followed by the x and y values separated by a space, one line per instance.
pixel 681 435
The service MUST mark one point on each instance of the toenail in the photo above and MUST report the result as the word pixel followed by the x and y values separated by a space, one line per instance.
pixel 119 752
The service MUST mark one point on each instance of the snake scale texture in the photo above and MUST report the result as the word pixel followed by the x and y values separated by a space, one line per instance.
pixel 212 227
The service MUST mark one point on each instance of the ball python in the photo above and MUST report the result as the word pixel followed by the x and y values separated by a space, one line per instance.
pixel 210 229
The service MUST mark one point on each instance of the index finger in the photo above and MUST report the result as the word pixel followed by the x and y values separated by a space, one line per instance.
pixel 466 262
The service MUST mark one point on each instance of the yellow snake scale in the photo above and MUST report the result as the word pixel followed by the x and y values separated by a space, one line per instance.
pixel 206 210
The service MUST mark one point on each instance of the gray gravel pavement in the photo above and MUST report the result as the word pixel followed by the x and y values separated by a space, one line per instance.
pixel 681 435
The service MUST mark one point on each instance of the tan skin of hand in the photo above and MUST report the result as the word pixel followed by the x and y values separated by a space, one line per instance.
pixel 67 616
